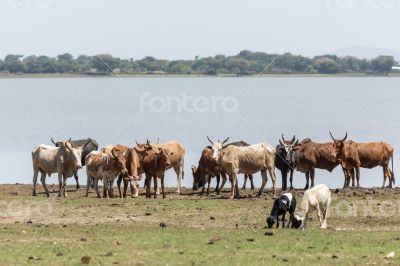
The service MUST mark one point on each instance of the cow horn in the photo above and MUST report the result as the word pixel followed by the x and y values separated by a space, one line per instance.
pixel 113 153
pixel 148 142
pixel 53 141
pixel 293 139
pixel 158 140
pixel 345 137
pixel 137 143
pixel 210 140
pixel 330 133
pixel 225 140
pixel 295 144
pixel 283 138
pixel 69 140
pixel 280 142
pixel 68 146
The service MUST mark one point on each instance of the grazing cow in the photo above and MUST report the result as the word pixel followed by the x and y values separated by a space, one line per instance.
pixel 176 159
pixel 155 162
pixel 246 160
pixel 285 203
pixel 318 197
pixel 310 155
pixel 91 146
pixel 367 155
pixel 207 169
pixel 285 159
pixel 64 160
pixel 106 167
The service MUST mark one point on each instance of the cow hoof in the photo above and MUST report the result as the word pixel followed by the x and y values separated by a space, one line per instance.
pixel 33 193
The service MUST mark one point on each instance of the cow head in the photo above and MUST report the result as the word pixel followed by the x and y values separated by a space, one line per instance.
pixel 338 145
pixel 298 222
pixel 289 146
pixel 59 144
pixel 143 147
pixel 217 147
pixel 197 180
pixel 119 162
pixel 75 154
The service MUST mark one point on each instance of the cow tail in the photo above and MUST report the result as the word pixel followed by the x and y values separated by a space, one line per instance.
pixel 183 168
pixel 393 172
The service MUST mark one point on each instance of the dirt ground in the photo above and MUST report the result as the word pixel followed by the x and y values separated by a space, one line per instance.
pixel 351 209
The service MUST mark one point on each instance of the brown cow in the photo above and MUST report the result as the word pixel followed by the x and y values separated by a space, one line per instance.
pixel 106 167
pixel 176 157
pixel 366 155
pixel 135 171
pixel 207 169
pixel 154 165
pixel 310 155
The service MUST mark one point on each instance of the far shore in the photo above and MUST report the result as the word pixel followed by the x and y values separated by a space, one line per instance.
pixel 72 75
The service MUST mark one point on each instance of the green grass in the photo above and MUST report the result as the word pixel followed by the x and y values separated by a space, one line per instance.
pixel 184 246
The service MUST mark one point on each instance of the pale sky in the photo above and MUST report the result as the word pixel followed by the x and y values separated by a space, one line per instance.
pixel 182 29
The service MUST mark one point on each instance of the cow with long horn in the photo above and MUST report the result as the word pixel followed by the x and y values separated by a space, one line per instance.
pixel 247 160
pixel 367 155
pixel 285 159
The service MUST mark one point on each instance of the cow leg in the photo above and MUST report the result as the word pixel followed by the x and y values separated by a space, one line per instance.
pixel 156 186
pixel 357 170
pixel 105 188
pixel 291 178
pixel 162 187
pixel 147 182
pixel 284 179
pixel 251 182
pixel 223 182
pixel 119 180
pixel 312 175
pixel 307 174
pixel 234 180
pixel 283 220
pixel 179 174
pixel 273 177
pixel 60 184
pixel 35 175
pixel 96 187
pixel 77 182
pixel 208 185
pixel 264 181
pixel 218 177
pixel 131 186
pixel 111 188
pixel 64 186
pixel 245 181
pixel 43 180
pixel 87 183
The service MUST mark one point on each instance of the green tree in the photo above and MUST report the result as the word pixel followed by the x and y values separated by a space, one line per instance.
pixel 105 63
pixel 13 63
pixel 383 64
pixel 326 65
pixel 64 63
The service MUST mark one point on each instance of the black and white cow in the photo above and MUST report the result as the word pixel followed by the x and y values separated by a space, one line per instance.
pixel 285 203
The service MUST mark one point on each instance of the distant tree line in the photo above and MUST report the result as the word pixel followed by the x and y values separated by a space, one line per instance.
pixel 244 63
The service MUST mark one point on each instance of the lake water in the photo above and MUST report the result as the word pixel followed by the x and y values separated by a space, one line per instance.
pixel 113 110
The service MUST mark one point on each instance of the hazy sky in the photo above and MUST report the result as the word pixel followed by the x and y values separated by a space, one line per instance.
pixel 174 29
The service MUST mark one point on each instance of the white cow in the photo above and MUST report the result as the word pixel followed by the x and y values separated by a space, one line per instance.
pixel 245 160
pixel 65 161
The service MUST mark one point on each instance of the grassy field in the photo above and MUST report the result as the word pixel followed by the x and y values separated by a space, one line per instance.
pixel 193 229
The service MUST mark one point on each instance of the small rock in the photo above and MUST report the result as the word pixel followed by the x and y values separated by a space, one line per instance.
pixel 147 214
pixel 273 255
pixel 237 225
pixel 109 254
pixel 85 259
pixel 64 225
pixel 59 254
pixel 269 233
pixel 285 259
pixel 83 239
pixel 250 239
pixel 390 255
pixel 180 252
pixel 212 218
pixel 23 231
pixel 117 243
pixel 29 222
pixel 162 224
pixel 334 257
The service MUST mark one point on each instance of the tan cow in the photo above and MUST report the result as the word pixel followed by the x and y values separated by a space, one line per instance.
pixel 246 160
pixel 176 157
pixel 64 160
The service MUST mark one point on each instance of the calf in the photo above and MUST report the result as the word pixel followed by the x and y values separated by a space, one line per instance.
pixel 106 167
pixel 155 162
pixel 286 203
pixel 319 198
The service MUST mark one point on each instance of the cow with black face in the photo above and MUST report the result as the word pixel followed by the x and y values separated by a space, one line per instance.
pixel 285 159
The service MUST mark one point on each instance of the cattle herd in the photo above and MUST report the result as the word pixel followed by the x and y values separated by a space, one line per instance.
pixel 220 159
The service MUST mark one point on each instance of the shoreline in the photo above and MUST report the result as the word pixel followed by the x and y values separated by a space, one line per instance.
pixel 71 75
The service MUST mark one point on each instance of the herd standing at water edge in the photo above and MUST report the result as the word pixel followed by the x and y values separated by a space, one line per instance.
pixel 221 159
